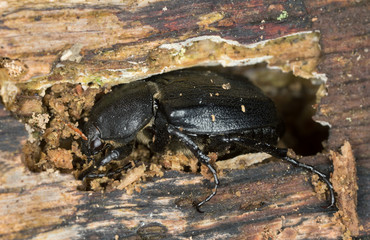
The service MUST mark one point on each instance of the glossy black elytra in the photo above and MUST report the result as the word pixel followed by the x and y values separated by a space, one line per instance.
pixel 201 111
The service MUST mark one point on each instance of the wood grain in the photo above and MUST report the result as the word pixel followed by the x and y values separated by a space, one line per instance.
pixel 269 201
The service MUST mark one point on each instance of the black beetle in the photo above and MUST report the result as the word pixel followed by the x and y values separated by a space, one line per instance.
pixel 204 110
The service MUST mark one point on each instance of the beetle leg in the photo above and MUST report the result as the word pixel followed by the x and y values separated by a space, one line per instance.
pixel 114 154
pixel 109 174
pixel 160 140
pixel 202 158
pixel 282 153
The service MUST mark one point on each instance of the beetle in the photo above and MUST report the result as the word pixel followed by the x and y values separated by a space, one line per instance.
pixel 201 111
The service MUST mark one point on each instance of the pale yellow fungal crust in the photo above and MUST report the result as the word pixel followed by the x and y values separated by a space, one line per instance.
pixel 208 19
pixel 163 57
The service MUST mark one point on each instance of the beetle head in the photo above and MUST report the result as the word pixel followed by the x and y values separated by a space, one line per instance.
pixel 93 145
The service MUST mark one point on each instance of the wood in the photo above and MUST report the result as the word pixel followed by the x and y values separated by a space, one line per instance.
pixel 43 42
pixel 344 174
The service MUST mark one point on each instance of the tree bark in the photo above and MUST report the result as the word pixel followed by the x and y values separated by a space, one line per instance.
pixel 43 43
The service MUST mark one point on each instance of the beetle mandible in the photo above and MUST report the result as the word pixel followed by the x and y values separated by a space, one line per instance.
pixel 201 110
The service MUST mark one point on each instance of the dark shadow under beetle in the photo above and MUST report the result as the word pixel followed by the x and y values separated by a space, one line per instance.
pixel 205 111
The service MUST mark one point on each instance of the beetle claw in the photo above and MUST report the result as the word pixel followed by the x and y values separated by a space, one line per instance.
pixel 331 192
pixel 197 206
pixel 327 207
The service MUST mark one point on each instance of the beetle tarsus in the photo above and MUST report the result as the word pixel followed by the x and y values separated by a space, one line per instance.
pixel 197 206
pixel 282 153
pixel 214 192
pixel 321 175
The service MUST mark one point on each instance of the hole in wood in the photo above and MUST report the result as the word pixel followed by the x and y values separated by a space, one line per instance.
pixel 57 142
pixel 296 99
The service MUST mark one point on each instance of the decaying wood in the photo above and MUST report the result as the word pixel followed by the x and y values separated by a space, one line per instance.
pixel 345 185
pixel 42 43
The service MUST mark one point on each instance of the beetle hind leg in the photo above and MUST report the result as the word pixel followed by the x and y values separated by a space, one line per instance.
pixel 312 169
pixel 217 182
pixel 281 153
pixel 204 159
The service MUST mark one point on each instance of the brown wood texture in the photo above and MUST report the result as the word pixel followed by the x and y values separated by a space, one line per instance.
pixel 268 201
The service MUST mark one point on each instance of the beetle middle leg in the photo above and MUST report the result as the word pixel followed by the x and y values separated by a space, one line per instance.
pixel 204 159
pixel 281 153
pixel 108 174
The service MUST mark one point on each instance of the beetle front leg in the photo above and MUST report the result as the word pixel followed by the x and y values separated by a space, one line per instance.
pixel 204 159
pixel 114 154
pixel 282 153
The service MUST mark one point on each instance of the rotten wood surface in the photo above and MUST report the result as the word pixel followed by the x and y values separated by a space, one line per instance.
pixel 270 200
